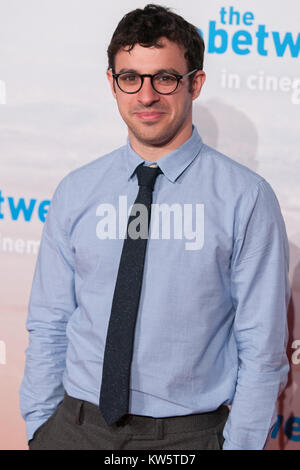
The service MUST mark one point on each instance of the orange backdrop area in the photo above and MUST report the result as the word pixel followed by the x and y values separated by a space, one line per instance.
pixel 57 113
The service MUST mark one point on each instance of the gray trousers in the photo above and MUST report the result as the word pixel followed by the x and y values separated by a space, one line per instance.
pixel 79 425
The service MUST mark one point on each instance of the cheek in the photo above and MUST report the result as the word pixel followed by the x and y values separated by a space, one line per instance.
pixel 182 105
pixel 123 104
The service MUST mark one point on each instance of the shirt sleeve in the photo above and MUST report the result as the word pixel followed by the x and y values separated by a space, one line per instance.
pixel 51 303
pixel 260 293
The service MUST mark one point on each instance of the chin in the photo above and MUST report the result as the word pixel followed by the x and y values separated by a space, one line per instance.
pixel 150 136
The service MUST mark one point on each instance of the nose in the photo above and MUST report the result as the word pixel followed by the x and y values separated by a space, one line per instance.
pixel 147 95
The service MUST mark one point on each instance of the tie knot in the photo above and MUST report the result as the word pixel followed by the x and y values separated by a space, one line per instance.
pixel 147 175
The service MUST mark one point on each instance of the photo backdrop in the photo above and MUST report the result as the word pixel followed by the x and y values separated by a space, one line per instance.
pixel 57 113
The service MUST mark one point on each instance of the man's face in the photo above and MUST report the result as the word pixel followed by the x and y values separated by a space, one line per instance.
pixel 154 119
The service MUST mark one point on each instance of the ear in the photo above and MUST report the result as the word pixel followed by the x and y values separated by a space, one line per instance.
pixel 110 78
pixel 198 83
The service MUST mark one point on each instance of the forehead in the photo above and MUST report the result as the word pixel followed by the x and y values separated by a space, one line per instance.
pixel 152 59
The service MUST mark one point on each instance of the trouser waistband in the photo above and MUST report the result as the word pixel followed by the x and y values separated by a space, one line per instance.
pixel 85 412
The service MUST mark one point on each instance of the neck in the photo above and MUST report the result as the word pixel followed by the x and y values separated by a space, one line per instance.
pixel 153 152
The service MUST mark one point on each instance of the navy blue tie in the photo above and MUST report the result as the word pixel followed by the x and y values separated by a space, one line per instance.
pixel 114 395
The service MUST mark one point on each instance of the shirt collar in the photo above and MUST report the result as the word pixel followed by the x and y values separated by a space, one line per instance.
pixel 173 164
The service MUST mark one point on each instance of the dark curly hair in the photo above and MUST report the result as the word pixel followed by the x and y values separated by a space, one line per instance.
pixel 147 26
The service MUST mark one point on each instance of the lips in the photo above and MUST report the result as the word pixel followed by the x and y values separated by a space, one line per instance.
pixel 150 116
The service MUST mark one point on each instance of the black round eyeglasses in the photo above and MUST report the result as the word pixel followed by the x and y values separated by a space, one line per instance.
pixel 163 83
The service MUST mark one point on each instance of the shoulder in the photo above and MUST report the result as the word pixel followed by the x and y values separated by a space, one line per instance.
pixel 96 167
pixel 238 185
pixel 229 171
pixel 90 174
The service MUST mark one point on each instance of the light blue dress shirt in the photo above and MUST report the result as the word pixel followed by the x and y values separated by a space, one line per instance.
pixel 211 326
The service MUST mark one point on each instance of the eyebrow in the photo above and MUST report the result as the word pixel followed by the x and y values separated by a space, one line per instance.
pixel 169 70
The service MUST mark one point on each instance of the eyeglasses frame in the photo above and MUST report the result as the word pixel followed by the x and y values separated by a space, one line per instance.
pixel 143 76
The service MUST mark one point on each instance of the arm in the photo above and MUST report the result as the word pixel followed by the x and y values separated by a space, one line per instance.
pixel 260 293
pixel 52 301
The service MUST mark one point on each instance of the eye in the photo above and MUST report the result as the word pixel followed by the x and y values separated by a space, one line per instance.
pixel 129 77
pixel 165 78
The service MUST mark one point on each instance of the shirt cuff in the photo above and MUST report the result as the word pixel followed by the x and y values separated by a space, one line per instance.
pixel 33 426
pixel 228 445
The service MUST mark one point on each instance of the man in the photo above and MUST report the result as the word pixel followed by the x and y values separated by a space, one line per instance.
pixel 142 334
